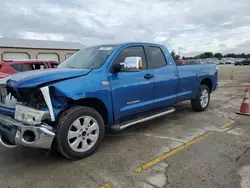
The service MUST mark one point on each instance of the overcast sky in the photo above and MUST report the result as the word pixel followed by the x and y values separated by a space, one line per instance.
pixel 194 25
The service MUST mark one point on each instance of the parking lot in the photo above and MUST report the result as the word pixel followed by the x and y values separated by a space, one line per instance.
pixel 183 149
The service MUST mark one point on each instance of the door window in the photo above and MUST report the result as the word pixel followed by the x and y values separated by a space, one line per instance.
pixel 35 66
pixel 136 51
pixel 157 58
pixel 27 67
pixel 17 67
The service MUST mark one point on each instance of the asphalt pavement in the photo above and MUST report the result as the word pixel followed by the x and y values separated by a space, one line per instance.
pixel 179 150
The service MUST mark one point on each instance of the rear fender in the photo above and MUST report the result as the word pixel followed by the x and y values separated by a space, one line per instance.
pixel 201 81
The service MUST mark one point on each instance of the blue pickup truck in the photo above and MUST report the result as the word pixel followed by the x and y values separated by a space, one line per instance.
pixel 98 88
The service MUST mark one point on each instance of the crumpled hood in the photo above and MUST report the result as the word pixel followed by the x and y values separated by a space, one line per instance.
pixel 34 78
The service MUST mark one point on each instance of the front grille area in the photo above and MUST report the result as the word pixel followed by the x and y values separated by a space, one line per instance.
pixel 31 97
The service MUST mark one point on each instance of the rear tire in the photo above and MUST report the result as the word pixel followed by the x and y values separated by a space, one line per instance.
pixel 201 102
pixel 80 131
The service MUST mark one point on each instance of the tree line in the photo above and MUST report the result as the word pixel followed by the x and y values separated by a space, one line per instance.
pixel 211 55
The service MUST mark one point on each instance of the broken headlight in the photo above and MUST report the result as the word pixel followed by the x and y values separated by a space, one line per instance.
pixel 30 115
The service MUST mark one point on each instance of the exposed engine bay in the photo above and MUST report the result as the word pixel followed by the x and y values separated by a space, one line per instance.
pixel 31 97
pixel 32 104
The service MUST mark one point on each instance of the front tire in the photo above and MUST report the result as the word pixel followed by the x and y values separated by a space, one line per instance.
pixel 80 131
pixel 201 102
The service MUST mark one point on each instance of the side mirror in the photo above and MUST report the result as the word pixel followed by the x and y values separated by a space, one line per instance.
pixel 132 64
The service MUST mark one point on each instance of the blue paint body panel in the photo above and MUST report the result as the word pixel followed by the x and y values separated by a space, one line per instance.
pixel 34 78
pixel 131 87
pixel 127 93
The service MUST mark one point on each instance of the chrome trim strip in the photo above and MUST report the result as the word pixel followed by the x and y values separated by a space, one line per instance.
pixel 147 118
pixel 46 95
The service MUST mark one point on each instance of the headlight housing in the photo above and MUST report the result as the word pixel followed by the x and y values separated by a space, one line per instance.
pixel 30 115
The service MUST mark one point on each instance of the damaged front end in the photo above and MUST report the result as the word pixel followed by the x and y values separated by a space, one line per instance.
pixel 33 119
pixel 30 103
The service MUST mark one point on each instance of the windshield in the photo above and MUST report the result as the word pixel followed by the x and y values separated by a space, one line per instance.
pixel 88 58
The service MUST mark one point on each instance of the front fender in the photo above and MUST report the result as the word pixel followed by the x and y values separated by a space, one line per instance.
pixel 90 86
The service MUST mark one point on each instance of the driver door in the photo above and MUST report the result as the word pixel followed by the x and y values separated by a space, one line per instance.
pixel 132 92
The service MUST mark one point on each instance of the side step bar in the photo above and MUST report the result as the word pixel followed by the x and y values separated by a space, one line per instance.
pixel 119 127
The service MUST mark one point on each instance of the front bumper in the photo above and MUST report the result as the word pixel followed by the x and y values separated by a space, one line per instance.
pixel 14 133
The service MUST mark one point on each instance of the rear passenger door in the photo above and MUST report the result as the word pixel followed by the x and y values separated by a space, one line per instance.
pixel 166 77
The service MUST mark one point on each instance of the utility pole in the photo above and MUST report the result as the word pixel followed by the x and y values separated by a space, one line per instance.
pixel 179 51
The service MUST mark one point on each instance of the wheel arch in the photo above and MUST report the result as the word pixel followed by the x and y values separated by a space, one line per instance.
pixel 208 83
pixel 94 103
